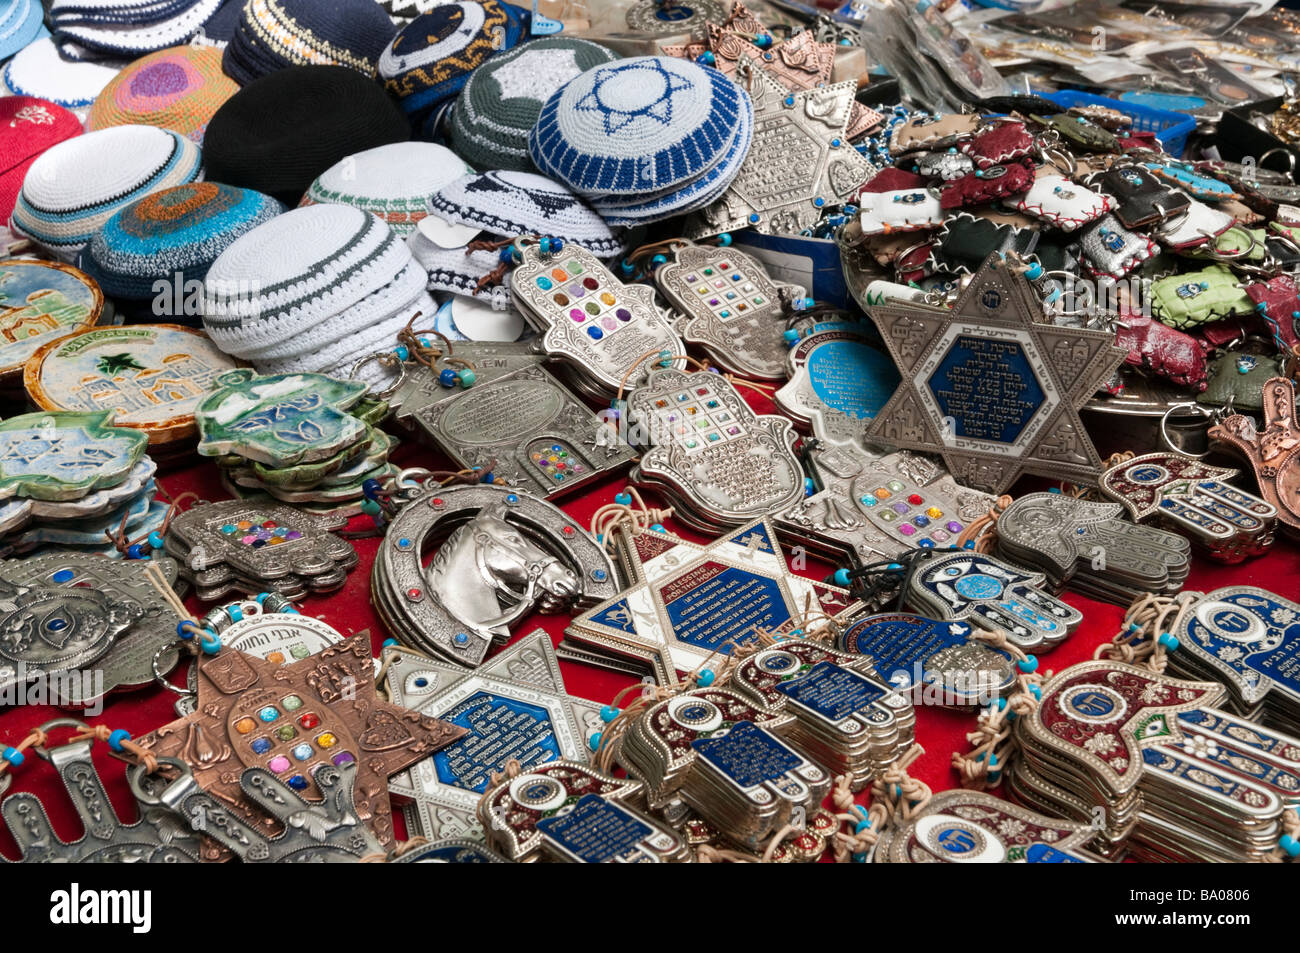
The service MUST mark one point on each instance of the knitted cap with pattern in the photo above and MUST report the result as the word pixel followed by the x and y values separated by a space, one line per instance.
pixel 431 58
pixel 39 71
pixel 114 28
pixel 277 134
pixel 174 234
pixel 20 24
pixel 500 103
pixel 27 128
pixel 180 89
pixel 508 204
pixel 650 134
pixel 77 185
pixel 395 182
pixel 273 292
pixel 273 34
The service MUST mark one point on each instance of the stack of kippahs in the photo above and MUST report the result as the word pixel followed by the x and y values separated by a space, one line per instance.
pixel 500 104
pixel 273 34
pixel 431 58
pixel 124 29
pixel 314 289
pixel 280 132
pixel 39 71
pixel 645 138
pixel 21 22
pixel 175 234
pixel 395 182
pixel 77 185
pixel 505 204
pixel 27 128
pixel 180 89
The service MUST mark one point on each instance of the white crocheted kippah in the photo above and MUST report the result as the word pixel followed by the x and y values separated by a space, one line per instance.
pixel 74 187
pixel 509 204
pixel 38 70
pixel 395 182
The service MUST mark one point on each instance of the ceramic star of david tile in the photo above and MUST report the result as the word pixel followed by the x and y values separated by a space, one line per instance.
pixel 514 706
pixel 991 388
pixel 64 456
pixel 799 163
pixel 688 601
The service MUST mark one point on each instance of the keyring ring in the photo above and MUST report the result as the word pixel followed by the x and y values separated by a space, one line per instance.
pixel 1290 160
pixel 385 359
pixel 161 677
pixel 1203 412
pixel 136 773
pixel 57 723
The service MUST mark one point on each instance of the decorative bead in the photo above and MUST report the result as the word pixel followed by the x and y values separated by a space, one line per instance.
pixel 593 741
pixel 467 378
pixel 608 714
pixel 1035 271
pixel 724 239
pixel 1288 843
pixel 809 488
pixel 763 41
pixel 447 377
pixel 842 578
pixel 705 678
pixel 1036 691
pixel 135 551
pixel 1169 641
pixel 706 58
pixel 790 336
pixel 623 499
pixel 544 246
pixel 657 528
pixel 156 540
pixel 116 738
pixel 403 352
pixel 387 643
pixel 13 756
pixel 210 643
pixel 557 245
pixel 370 507
pixel 371 488
pixel 1028 665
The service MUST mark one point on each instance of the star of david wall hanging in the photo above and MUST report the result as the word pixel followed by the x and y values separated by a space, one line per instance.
pixel 991 387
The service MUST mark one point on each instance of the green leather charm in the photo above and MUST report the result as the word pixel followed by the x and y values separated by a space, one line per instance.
pixel 1241 377
pixel 1198 297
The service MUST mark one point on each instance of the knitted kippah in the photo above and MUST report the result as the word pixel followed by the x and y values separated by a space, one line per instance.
pixel 174 234
pixel 404 11
pixel 280 132
pixel 272 34
pixel 176 89
pixel 394 182
pixel 39 71
pixel 27 128
pixel 501 101
pixel 77 185
pixel 459 270
pixel 509 204
pixel 127 29
pixel 431 58
pixel 266 294
pixel 20 23
pixel 642 125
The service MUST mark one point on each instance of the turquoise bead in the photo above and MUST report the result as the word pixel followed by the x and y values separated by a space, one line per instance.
pixel 593 741
pixel 608 714
pixel 842 578
pixel 117 737
pixel 1288 843
pixel 705 678
pixel 13 756
pixel 623 499
pixel 1028 665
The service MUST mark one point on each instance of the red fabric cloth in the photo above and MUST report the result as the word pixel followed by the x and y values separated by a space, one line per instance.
pixel 348 610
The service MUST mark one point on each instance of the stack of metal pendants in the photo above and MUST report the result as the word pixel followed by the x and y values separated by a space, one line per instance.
pixel 74 481
pixel 722 756
pixel 1247 638
pixel 304 439
pixel 845 715
pixel 237 547
pixel 1086 547
pixel 1155 765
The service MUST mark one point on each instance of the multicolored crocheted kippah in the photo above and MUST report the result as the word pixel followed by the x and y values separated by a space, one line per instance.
pixel 178 89
pixel 272 34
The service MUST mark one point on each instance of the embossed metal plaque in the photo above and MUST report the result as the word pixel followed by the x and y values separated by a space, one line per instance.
pixel 799 163
pixel 707 449
pixel 542 438
pixel 990 387
pixel 730 307
pixel 599 327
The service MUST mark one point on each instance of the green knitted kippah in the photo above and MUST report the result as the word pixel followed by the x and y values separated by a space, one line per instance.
pixel 501 101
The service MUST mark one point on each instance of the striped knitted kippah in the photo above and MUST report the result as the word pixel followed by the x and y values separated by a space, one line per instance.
pixel 128 29
pixel 509 204
pixel 180 89
pixel 27 128
pixel 272 34
pixel 173 234
pixel 458 270
pixel 39 71
pixel 431 58
pixel 77 185
pixel 501 101
pixel 395 182
pixel 20 24
pixel 643 125
pixel 269 293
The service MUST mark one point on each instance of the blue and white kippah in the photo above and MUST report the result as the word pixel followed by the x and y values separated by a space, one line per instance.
pixel 641 126
pixel 39 71
pixel 509 204
pixel 20 24
pixel 77 185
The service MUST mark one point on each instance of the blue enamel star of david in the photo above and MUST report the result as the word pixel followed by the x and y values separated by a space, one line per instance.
pixel 688 602
pixel 990 385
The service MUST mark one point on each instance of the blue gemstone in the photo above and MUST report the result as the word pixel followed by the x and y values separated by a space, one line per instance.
pixel 461 638
pixel 297 782
pixel 63 575
pixel 261 745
